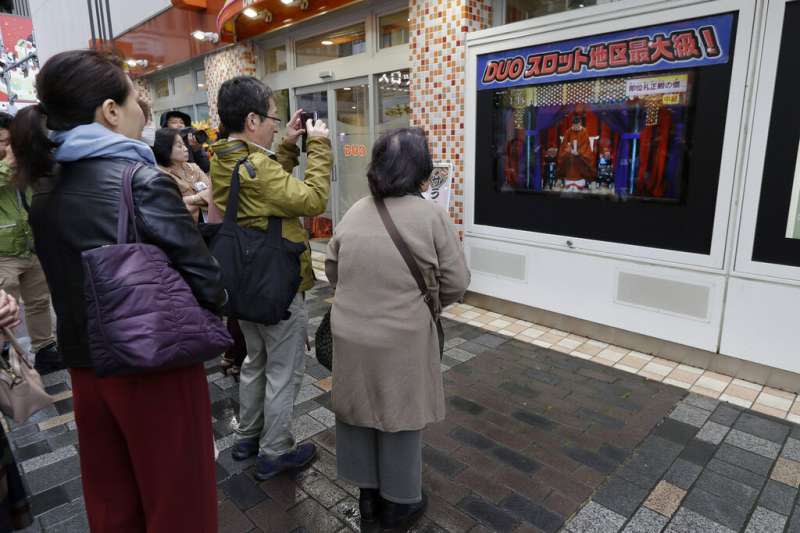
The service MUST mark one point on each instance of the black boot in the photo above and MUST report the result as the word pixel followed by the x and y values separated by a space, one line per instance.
pixel 48 359
pixel 369 505
pixel 398 515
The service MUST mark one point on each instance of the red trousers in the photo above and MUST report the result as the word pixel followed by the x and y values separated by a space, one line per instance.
pixel 146 451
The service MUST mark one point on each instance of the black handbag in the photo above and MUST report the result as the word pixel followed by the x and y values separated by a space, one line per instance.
pixel 260 269
pixel 323 339
pixel 323 342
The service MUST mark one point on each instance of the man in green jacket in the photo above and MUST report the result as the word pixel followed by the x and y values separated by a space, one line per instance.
pixel 20 271
pixel 273 370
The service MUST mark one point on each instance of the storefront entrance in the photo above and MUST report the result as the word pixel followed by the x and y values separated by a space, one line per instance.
pixel 344 106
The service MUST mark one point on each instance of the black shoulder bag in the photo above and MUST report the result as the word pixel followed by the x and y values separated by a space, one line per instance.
pixel 260 269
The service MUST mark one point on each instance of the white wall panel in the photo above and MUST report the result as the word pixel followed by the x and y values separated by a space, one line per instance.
pixel 761 323
pixel 585 286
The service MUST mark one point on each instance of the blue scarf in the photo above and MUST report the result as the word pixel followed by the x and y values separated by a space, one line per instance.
pixel 96 141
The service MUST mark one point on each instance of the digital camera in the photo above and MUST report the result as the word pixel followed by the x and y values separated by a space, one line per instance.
pixel 304 118
pixel 199 135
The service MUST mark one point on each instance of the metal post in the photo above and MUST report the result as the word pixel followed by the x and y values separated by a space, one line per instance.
pixel 108 16
pixel 101 25
pixel 91 24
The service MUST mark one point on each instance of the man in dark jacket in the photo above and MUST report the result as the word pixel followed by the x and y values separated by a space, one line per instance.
pixel 178 120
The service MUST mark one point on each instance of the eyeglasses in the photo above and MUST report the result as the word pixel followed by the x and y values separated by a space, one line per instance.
pixel 276 119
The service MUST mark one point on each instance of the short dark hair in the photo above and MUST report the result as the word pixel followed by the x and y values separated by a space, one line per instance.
pixel 401 161
pixel 162 146
pixel 240 96
pixel 5 121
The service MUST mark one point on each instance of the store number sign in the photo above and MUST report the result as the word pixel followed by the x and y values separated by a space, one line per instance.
pixel 354 150
pixel 441 183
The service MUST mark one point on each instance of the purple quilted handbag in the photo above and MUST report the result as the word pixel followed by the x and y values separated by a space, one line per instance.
pixel 142 315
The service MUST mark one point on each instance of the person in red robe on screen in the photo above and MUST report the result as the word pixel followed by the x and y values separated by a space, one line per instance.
pixel 575 158
pixel 514 165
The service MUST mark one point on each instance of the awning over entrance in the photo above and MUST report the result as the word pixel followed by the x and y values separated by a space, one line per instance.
pixel 241 19
pixel 166 39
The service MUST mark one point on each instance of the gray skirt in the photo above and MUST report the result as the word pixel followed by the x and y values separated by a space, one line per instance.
pixel 373 459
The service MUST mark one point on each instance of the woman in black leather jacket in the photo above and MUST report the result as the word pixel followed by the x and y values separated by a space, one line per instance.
pixel 146 441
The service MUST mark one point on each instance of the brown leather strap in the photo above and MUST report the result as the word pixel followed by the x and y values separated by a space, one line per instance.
pixel 402 247
pixel 22 353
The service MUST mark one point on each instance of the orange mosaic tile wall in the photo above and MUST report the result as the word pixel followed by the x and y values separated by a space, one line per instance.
pixel 438 31
pixel 237 60
pixel 143 90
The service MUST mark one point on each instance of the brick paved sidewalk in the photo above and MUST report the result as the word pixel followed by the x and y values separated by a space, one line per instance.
pixel 531 436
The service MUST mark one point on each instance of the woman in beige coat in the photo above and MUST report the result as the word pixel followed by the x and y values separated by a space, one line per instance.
pixel 387 382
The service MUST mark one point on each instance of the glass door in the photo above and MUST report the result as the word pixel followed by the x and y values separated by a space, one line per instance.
pixel 319 227
pixel 353 145
pixel 344 106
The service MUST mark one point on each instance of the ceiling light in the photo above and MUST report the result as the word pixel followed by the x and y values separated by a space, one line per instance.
pixel 206 36
pixel 348 88
pixel 133 63
pixel 354 107
pixel 326 43
pixel 287 2
pixel 250 13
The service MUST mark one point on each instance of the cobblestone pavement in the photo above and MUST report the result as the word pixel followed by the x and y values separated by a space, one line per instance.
pixel 708 467
pixel 531 436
